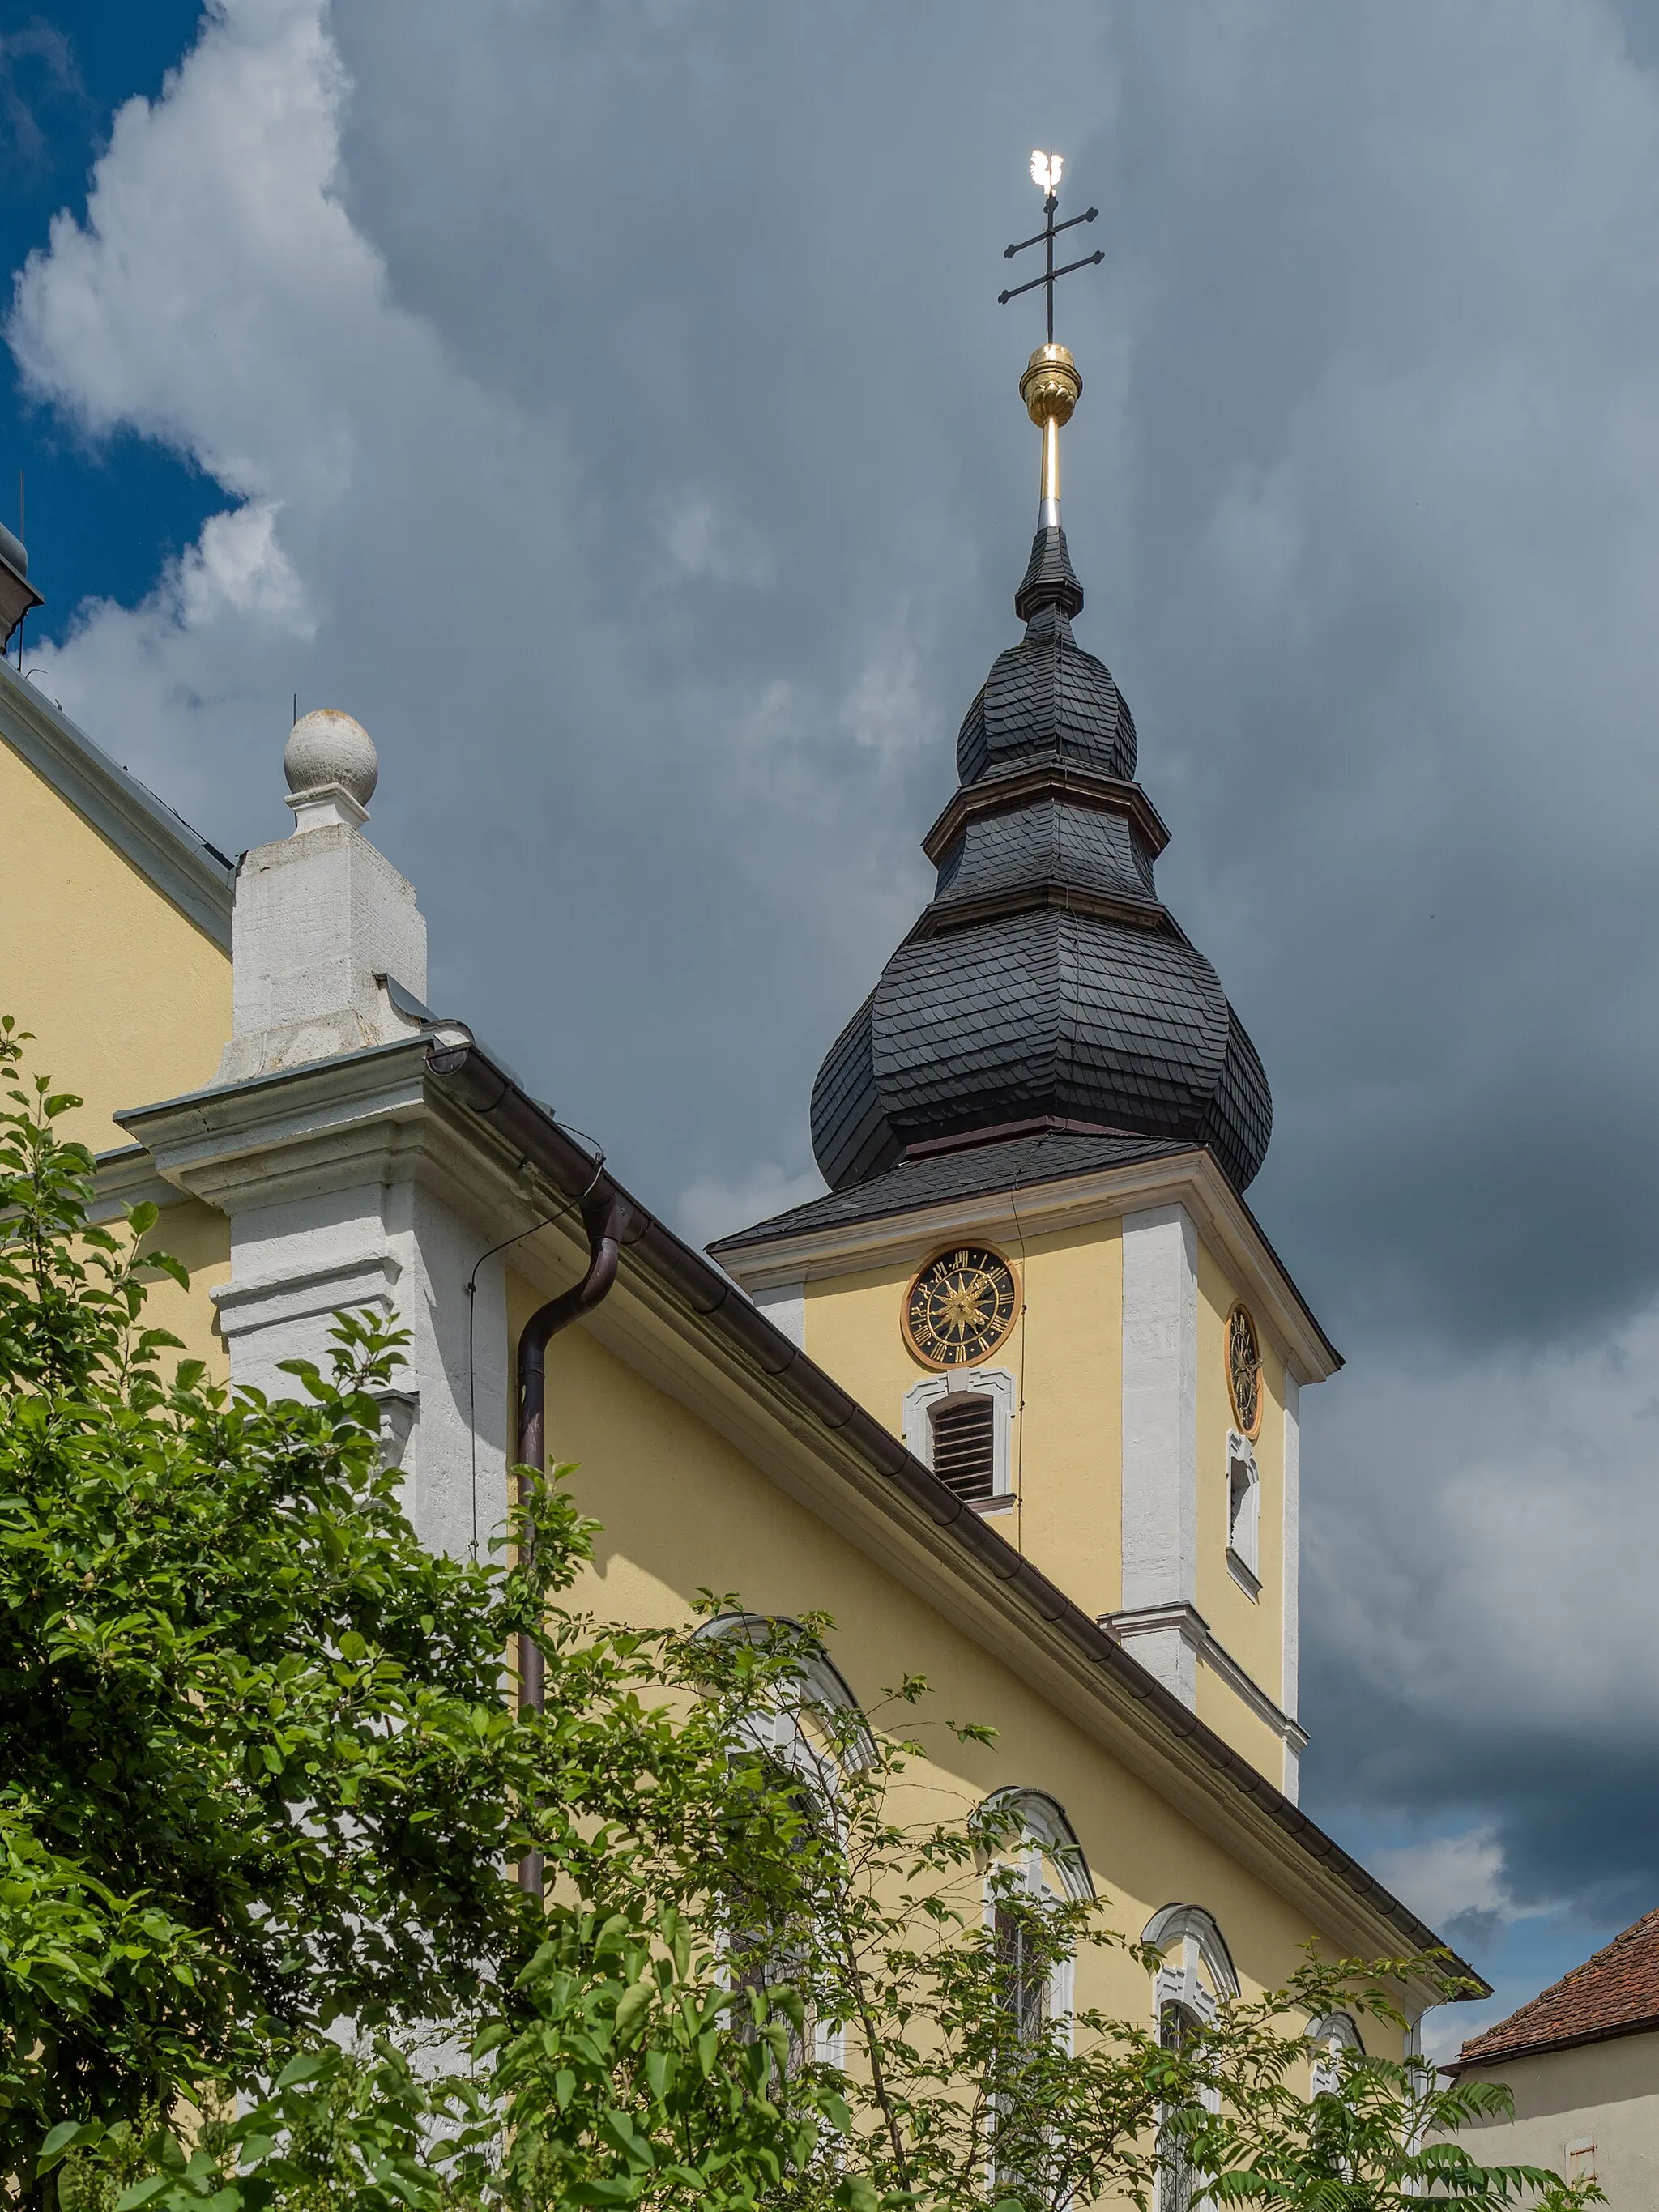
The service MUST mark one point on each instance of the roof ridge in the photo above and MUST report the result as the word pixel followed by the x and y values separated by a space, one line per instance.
pixel 1621 2007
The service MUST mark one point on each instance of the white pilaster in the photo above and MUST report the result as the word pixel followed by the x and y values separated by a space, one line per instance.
pixel 1292 1569
pixel 1160 1436
pixel 784 1305
pixel 345 1191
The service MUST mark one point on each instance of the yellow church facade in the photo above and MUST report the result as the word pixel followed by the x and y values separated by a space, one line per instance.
pixel 1016 1403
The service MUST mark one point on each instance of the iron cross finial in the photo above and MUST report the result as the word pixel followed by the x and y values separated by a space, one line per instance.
pixel 1045 174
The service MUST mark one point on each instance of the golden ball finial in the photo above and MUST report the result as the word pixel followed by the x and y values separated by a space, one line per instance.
pixel 1050 386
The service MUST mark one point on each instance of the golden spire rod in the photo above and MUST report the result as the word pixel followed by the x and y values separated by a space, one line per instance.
pixel 1051 386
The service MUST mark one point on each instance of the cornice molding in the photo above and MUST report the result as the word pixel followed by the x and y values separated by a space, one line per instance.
pixel 182 867
pixel 1005 794
pixel 1191 1179
pixel 940 917
pixel 1190 1626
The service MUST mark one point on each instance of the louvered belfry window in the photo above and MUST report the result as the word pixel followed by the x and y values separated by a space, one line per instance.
pixel 964 1446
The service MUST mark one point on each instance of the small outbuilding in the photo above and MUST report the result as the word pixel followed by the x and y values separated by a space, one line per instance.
pixel 1582 2062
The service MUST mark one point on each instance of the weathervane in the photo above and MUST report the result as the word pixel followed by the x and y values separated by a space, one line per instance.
pixel 1045 175
pixel 1051 386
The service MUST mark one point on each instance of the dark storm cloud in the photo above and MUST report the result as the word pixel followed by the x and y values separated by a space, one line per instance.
pixel 625 429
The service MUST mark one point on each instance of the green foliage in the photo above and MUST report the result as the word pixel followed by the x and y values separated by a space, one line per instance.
pixel 261 1795
pixel 257 1771
pixel 258 1775
pixel 1374 2137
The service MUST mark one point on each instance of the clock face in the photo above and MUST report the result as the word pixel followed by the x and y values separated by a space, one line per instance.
pixel 1244 1372
pixel 960 1307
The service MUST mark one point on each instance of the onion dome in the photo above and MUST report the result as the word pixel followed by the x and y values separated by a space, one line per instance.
pixel 1045 986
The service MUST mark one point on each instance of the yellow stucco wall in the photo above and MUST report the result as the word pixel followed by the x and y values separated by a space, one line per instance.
pixel 1066 1355
pixel 680 1509
pixel 199 1235
pixel 129 1001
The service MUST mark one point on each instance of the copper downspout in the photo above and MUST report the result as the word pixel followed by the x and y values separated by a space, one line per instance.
pixel 601 1216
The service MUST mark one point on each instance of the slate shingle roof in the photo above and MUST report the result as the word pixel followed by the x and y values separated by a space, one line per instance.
pixel 1614 1993
pixel 1014 1164
pixel 1044 979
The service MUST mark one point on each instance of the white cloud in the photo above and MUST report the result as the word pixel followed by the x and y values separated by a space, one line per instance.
pixel 1446 1876
pixel 704 543
pixel 218 297
pixel 238 565
pixel 1506 1525
pixel 661 529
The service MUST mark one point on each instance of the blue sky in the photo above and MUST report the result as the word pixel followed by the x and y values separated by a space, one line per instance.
pixel 101 517
pixel 611 409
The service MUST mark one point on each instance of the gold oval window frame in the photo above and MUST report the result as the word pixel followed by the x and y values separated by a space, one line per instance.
pixel 973 1252
pixel 1244 1357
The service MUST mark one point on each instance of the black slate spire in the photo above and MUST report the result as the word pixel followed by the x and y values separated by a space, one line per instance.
pixel 1050 580
pixel 1045 986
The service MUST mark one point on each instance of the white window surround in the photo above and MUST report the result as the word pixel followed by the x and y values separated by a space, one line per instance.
pixel 824 1689
pixel 1334 2032
pixel 1244 1515
pixel 1196 1977
pixel 993 1382
pixel 1197 1971
pixel 1291 1548
pixel 1052 1860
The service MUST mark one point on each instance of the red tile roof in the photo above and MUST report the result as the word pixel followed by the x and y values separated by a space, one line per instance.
pixel 1614 1993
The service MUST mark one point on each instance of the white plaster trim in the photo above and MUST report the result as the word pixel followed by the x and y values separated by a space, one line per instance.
pixel 365 1280
pixel 127 1176
pixel 1159 1490
pixel 993 1382
pixel 784 1305
pixel 163 847
pixel 1193 1933
pixel 1153 1630
pixel 1292 1541
pixel 1044 1824
pixel 346 1187
pixel 1191 1180
pixel 329 806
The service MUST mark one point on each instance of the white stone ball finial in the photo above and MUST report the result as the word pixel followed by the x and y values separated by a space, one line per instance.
pixel 332 768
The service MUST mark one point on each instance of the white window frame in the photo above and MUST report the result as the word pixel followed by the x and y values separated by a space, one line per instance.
pixel 781 1735
pixel 1045 1834
pixel 1196 1973
pixel 1243 1516
pixel 995 1383
pixel 1334 2031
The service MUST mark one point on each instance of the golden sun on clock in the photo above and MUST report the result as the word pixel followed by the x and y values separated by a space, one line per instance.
pixel 960 1307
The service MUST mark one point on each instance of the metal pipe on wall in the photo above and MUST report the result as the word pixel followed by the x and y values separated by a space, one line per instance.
pixel 601 1218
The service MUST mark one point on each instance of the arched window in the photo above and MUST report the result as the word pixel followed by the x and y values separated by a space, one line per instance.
pixel 1034 1865
pixel 1194 1977
pixel 1335 2031
pixel 814 1730
pixel 815 1725
pixel 1027 1835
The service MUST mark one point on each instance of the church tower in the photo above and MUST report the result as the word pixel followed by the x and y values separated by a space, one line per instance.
pixel 1036 1260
